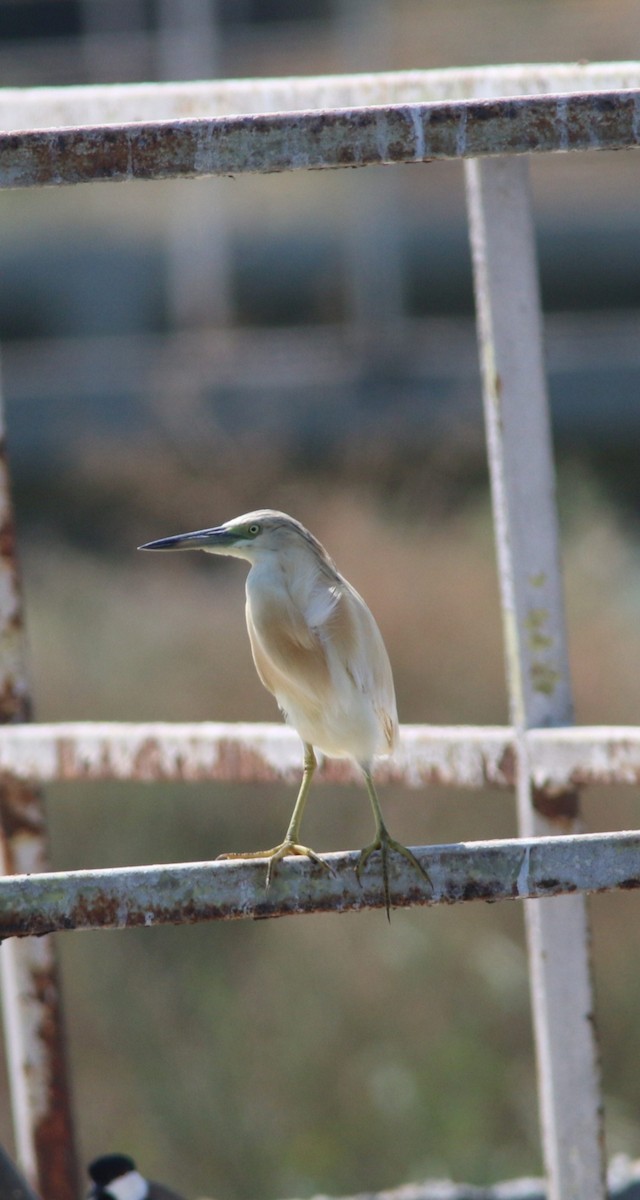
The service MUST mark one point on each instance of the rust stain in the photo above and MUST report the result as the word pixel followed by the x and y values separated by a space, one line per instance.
pixel 557 885
pixel 21 816
pixel 476 889
pixel 15 705
pixel 245 763
pixel 96 910
pixel 23 848
pixel 508 765
pixel 147 761
pixel 53 1136
pixel 342 770
pixel 561 806
pixel 67 759
pixel 8 539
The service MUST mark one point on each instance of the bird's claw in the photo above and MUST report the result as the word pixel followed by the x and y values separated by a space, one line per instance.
pixel 285 849
pixel 384 843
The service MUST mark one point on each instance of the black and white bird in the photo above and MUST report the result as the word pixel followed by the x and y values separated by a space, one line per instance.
pixel 116 1177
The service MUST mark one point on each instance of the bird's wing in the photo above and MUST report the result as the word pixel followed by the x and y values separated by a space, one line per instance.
pixel 289 655
pixel 358 642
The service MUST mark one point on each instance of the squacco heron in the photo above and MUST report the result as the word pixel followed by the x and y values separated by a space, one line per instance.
pixel 317 648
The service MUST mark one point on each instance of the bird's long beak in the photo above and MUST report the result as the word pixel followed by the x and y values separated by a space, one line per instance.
pixel 201 539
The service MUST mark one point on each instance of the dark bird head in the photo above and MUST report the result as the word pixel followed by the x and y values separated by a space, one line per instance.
pixel 116 1177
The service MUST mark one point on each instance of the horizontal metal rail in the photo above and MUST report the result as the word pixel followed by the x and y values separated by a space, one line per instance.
pixel 321 139
pixel 115 103
pixel 465 756
pixel 252 358
pixel 188 893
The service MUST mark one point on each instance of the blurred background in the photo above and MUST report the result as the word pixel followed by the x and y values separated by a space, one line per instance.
pixel 176 354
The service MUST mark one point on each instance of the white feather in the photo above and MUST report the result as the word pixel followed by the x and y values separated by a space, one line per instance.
pixel 132 1186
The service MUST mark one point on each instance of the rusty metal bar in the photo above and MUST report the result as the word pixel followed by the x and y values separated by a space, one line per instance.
pixel 321 139
pixel 32 1011
pixel 215 891
pixel 96 104
pixel 464 756
pixel 523 491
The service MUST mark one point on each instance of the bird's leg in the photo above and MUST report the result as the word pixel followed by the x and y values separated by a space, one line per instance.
pixel 384 843
pixel 291 845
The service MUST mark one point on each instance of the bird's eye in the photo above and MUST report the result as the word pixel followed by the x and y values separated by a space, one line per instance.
pixel 253 530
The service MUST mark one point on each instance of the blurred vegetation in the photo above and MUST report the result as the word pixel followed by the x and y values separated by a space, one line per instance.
pixel 325 1054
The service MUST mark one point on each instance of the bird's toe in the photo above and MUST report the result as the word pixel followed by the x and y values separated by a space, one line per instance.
pixel 385 843
pixel 276 853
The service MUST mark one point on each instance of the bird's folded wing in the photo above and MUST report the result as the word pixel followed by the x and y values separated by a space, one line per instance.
pixel 290 657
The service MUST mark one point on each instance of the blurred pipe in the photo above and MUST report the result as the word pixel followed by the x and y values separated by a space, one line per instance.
pixel 197 250
pixel 373 267
pixel 462 756
pixel 32 1010
pixel 187 39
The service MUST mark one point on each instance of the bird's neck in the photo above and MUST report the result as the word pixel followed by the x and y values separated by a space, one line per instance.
pixel 294 579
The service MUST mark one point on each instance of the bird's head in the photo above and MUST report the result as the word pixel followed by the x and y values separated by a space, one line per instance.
pixel 115 1177
pixel 251 536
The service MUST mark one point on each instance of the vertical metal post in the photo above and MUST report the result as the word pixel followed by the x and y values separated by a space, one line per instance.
pixel 30 992
pixel 523 489
pixel 197 242
pixel 374 284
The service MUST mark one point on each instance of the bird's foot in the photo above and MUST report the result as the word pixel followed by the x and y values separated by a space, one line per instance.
pixel 282 851
pixel 384 843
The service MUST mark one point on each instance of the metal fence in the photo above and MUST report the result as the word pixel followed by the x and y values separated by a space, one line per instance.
pixel 77 135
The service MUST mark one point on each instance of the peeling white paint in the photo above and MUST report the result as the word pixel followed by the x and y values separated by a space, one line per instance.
pixel 464 756
pixel 55 107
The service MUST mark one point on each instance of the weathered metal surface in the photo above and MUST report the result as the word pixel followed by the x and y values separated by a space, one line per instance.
pixel 320 139
pixel 523 489
pixel 243 752
pixel 465 756
pixel 213 891
pixel 31 999
pixel 98 104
